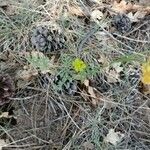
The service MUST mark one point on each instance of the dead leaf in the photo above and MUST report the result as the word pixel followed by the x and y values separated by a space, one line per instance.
pixel 113 73
pixel 112 76
pixel 144 2
pixel 145 89
pixel 76 10
pixel 103 60
pixel 137 16
pixel 5 115
pixel 101 36
pixel 8 7
pixel 117 67
pixel 91 93
pixel 126 7
pixel 121 7
pixel 96 15
pixel 95 1
pixel 86 82
pixel 93 96
pixel 88 146
pixel 27 74
pixel 113 137
pixel 2 144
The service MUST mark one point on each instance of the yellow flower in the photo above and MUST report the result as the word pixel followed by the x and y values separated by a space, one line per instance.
pixel 146 73
pixel 79 65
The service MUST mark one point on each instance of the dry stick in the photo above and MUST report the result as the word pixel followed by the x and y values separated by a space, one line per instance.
pixel 7 133
pixel 118 40
pixel 69 114
pixel 137 28
pixel 125 37
pixel 117 103
pixel 24 98
pixel 69 123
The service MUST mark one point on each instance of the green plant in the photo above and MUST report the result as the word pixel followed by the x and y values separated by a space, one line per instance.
pixel 81 70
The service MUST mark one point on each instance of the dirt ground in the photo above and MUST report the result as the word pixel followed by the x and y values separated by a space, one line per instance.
pixel 71 75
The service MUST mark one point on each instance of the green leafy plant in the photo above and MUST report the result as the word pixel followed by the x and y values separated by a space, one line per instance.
pixel 77 69
pixel 72 70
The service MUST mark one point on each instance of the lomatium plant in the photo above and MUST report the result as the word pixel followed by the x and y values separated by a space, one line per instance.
pixel 146 72
pixel 79 65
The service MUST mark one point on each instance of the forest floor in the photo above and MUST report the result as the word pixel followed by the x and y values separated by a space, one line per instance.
pixel 75 74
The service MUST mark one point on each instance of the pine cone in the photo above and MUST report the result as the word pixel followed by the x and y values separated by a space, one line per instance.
pixel 47 41
pixel 122 23
pixel 6 89
pixel 134 77
pixel 67 87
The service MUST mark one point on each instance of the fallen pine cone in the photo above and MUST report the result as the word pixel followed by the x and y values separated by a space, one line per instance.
pixel 7 88
pixel 122 23
pixel 47 40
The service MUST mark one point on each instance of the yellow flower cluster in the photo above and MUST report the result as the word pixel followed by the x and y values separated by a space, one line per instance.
pixel 79 65
pixel 146 73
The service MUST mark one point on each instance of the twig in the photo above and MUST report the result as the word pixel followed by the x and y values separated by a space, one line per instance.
pixel 121 36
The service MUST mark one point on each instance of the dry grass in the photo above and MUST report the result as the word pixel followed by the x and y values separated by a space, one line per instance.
pixel 50 120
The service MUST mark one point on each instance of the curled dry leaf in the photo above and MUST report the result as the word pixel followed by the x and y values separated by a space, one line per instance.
pixel 145 89
pixel 117 67
pixel 27 74
pixel 88 146
pixel 137 16
pixel 101 36
pixel 96 15
pixel 113 74
pixel 6 115
pixel 105 39
pixel 121 7
pixel 95 1
pixel 76 10
pixel 144 2
pixel 8 7
pixel 91 93
pixel 86 82
pixel 113 137
pixel 2 144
